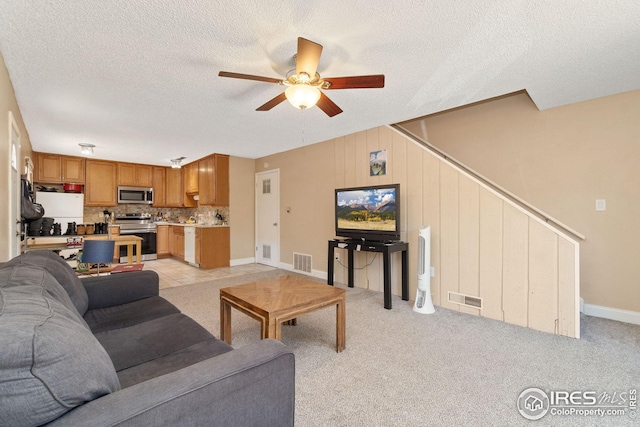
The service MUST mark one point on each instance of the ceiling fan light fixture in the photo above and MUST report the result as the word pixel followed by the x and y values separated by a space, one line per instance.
pixel 302 95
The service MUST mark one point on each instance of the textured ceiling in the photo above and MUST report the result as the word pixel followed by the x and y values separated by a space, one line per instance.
pixel 139 79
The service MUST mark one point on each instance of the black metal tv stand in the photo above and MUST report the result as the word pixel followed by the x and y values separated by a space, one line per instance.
pixel 386 248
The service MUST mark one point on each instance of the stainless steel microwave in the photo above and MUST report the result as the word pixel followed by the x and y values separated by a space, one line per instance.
pixel 141 195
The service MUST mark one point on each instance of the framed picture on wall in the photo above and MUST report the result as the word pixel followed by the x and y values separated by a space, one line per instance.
pixel 378 163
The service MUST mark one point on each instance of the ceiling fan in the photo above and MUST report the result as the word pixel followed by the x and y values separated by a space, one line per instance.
pixel 304 85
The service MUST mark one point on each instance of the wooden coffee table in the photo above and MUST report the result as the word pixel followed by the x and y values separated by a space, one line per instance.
pixel 281 299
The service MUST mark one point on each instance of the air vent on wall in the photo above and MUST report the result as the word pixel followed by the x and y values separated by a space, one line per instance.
pixel 302 262
pixel 466 300
pixel 266 251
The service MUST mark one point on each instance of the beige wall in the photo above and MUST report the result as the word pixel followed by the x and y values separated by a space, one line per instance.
pixel 242 207
pixel 561 160
pixel 482 245
pixel 306 185
pixel 8 103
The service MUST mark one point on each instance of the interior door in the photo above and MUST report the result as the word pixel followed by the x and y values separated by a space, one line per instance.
pixel 268 217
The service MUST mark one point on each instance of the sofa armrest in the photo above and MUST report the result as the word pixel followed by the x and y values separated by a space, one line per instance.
pixel 250 386
pixel 121 288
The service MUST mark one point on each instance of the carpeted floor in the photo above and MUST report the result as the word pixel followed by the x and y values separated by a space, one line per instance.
pixel 401 368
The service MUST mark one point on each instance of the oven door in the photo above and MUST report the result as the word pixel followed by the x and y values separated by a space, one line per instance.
pixel 148 245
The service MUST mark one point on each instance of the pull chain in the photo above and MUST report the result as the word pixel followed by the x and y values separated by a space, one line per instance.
pixel 302 127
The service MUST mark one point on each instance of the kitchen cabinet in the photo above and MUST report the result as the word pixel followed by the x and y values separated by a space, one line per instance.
pixel 209 247
pixel 159 186
pixel 213 178
pixel 212 247
pixel 136 175
pixel 101 183
pixel 54 168
pixel 173 190
pixel 162 240
pixel 176 242
pixel 191 178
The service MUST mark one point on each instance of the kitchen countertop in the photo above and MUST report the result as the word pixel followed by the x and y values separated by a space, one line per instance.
pixel 192 225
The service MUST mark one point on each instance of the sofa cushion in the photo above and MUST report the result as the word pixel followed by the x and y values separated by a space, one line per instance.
pixel 24 274
pixel 49 361
pixel 150 340
pixel 172 362
pixel 63 273
pixel 129 314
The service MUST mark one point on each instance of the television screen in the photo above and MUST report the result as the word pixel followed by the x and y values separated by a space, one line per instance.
pixel 369 213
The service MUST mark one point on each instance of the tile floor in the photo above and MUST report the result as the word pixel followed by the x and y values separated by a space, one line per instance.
pixel 174 273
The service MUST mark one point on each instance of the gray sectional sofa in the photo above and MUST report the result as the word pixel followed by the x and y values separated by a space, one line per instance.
pixel 108 350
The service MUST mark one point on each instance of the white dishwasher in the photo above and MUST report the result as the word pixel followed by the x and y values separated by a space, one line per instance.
pixel 190 245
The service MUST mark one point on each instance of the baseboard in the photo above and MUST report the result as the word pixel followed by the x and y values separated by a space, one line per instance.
pixel 625 316
pixel 315 273
pixel 242 261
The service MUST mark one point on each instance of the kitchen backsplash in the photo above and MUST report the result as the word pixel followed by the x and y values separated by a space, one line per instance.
pixel 95 214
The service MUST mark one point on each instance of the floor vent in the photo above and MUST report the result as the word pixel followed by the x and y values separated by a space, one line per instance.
pixel 466 300
pixel 302 262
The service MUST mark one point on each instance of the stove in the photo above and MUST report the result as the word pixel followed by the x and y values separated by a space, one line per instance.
pixel 141 225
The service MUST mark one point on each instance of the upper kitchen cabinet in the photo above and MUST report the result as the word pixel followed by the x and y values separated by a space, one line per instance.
pixel 135 175
pixel 159 186
pixel 101 185
pixel 213 174
pixel 191 178
pixel 173 190
pixel 54 168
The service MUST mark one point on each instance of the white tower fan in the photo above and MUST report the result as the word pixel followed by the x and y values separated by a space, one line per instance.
pixel 423 303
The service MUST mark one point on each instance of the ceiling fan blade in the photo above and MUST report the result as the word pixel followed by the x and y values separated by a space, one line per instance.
pixel 308 57
pixel 272 103
pixel 249 77
pixel 328 106
pixel 356 82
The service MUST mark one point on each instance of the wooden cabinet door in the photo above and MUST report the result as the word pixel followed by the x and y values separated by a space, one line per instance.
pixel 222 180
pixel 191 178
pixel 48 168
pixel 126 174
pixel 158 183
pixel 180 245
pixel 214 180
pixel 198 244
pixel 162 240
pixel 215 247
pixel 144 175
pixel 174 191
pixel 206 170
pixel 72 169
pixel 177 241
pixel 101 184
pixel 172 242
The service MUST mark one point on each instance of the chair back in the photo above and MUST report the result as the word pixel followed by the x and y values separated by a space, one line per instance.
pixel 98 251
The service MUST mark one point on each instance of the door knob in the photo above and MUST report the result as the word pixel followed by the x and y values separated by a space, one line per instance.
pixel 275 224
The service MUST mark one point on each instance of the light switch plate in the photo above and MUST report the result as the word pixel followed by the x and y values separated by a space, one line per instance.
pixel 601 205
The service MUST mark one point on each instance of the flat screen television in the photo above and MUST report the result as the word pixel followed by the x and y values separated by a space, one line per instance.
pixel 368 213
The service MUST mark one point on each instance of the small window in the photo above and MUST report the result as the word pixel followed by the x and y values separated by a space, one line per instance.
pixel 266 186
